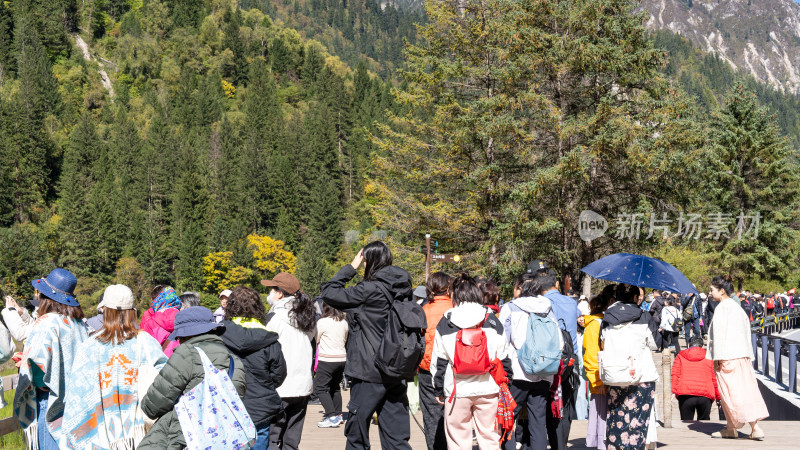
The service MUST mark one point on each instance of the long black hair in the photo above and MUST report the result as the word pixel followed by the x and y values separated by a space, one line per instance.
pixel 626 293
pixel 330 311
pixel 303 314
pixel 376 256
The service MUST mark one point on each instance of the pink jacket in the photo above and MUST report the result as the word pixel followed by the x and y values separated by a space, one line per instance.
pixel 159 325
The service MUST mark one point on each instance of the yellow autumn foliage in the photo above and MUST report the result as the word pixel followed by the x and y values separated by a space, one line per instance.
pixel 219 272
pixel 269 257
pixel 228 89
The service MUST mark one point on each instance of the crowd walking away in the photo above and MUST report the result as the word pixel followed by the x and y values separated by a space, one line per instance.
pixel 509 374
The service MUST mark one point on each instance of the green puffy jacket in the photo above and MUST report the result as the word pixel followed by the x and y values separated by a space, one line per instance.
pixel 182 372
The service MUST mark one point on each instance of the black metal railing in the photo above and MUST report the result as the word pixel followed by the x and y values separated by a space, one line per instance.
pixel 776 323
pixel 775 347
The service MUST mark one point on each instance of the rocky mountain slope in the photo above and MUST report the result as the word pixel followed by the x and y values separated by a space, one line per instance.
pixel 761 37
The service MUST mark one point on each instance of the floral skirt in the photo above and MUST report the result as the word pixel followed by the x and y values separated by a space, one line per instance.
pixel 629 409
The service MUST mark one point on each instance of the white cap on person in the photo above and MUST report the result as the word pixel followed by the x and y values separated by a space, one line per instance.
pixel 117 296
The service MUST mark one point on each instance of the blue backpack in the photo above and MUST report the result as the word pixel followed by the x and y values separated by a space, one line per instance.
pixel 540 354
pixel 646 306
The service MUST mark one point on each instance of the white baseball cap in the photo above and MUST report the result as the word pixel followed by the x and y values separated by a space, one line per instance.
pixel 117 296
pixel 226 293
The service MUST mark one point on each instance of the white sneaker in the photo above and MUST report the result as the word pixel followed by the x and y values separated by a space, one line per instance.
pixel 329 422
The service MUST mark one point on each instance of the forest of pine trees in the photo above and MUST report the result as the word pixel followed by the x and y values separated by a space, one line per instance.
pixel 244 129
pixel 205 143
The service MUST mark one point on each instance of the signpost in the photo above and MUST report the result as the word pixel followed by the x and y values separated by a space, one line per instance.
pixel 427 256
pixel 446 257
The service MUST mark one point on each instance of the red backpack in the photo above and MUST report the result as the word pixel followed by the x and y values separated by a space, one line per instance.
pixel 471 355
pixel 770 303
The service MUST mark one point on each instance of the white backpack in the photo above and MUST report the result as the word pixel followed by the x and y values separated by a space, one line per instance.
pixel 619 361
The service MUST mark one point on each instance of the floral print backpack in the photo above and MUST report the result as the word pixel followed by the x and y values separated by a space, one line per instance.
pixel 212 415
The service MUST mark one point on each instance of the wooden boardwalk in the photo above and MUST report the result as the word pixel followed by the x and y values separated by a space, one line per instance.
pixel 683 435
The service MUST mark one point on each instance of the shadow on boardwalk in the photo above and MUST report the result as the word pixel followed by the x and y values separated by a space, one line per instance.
pixel 683 435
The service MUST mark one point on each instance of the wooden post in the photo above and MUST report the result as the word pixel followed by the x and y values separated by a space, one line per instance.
pixel 666 383
pixel 427 256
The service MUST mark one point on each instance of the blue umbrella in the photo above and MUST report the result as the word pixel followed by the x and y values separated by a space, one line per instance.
pixel 638 270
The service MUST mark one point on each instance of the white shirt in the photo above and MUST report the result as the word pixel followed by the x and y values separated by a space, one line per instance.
pixel 19 325
pixel 331 339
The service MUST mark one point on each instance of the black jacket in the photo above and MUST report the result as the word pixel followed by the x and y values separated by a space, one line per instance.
pixel 656 307
pixel 367 309
pixel 709 315
pixel 265 369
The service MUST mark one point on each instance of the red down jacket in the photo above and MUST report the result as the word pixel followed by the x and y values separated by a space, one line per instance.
pixel 693 374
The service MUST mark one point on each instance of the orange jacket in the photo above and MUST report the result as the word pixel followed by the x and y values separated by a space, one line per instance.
pixel 434 310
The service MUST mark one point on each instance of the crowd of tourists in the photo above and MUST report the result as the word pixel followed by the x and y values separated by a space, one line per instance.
pixel 509 374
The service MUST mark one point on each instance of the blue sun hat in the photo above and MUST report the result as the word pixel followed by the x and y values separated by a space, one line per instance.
pixel 194 321
pixel 59 286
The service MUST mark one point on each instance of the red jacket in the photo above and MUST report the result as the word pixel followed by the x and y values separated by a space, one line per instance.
pixel 693 374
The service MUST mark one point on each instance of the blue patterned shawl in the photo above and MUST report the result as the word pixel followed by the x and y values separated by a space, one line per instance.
pixel 51 346
pixel 102 394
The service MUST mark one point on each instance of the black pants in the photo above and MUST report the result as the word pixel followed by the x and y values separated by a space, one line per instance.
pixel 689 404
pixel 535 396
pixel 671 338
pixel 286 430
pixel 558 428
pixel 432 413
pixel 326 386
pixel 389 400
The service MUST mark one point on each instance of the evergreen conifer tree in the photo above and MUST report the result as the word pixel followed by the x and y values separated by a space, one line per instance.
pixel 754 187
pixel 77 183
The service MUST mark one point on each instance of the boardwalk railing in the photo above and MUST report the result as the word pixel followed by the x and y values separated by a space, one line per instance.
pixel 776 323
pixel 10 424
pixel 766 347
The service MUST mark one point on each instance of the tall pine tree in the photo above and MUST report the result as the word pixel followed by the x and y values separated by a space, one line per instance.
pixel 36 99
pixel 77 183
pixel 754 188
pixel 190 202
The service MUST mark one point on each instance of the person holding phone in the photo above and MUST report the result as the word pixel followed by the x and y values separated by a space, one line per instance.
pixel 17 318
pixel 367 305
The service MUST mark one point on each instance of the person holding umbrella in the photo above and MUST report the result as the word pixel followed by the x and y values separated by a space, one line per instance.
pixel 626 330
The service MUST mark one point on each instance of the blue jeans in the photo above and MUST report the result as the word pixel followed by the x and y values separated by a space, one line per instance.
pixel 262 438
pixel 46 441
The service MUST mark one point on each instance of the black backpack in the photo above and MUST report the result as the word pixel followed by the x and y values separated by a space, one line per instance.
pixel 403 345
pixel 570 378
